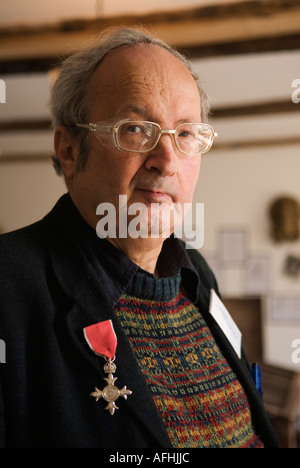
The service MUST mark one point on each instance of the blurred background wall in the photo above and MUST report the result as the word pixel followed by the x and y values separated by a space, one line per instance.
pixel 247 54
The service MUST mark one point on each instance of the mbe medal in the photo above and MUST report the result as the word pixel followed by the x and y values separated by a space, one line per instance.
pixel 102 340
pixel 110 393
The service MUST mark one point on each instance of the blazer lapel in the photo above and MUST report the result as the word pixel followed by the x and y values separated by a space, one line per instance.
pixel 91 305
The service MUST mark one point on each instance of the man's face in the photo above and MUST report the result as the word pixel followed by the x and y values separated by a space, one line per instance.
pixel 141 83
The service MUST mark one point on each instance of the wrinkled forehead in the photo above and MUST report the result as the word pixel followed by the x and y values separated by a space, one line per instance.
pixel 127 73
pixel 139 60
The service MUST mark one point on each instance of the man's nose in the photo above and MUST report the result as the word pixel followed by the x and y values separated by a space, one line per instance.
pixel 163 158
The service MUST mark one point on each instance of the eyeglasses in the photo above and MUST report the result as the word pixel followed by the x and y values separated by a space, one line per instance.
pixel 139 137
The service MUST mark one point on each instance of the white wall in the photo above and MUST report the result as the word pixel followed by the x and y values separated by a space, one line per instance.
pixel 27 192
pixel 28 188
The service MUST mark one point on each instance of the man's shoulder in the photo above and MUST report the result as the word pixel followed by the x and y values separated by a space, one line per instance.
pixel 32 231
pixel 22 256
pixel 25 245
pixel 20 239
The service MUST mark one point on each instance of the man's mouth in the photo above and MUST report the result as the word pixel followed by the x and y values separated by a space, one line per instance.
pixel 157 195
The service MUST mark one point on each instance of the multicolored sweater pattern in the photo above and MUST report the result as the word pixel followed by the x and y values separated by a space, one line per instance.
pixel 200 400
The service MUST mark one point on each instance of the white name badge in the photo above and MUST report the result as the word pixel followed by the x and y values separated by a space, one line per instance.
pixel 225 322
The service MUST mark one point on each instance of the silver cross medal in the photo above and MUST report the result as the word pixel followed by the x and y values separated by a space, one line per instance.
pixel 110 393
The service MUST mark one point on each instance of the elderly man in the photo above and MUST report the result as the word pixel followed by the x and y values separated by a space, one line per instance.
pixel 109 340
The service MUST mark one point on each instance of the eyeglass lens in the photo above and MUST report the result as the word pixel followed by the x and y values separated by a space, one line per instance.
pixel 137 136
pixel 144 136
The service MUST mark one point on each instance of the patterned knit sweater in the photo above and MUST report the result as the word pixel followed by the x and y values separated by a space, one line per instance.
pixel 200 400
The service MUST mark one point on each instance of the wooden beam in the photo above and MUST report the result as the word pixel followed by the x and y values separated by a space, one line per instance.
pixel 260 45
pixel 262 108
pixel 228 146
pixel 259 109
pixel 28 158
pixel 25 125
pixel 192 29
pixel 252 144
pixel 248 46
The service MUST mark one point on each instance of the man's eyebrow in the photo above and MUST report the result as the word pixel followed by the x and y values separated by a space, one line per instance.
pixel 144 113
pixel 134 109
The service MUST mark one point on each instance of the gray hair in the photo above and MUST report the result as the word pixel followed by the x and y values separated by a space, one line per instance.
pixel 69 90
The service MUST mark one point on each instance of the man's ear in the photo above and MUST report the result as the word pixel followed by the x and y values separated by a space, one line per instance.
pixel 66 150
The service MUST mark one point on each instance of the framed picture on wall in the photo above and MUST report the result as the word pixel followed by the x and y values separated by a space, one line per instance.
pixel 257 276
pixel 232 245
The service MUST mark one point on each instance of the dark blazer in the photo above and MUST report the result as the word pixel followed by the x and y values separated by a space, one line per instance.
pixel 49 293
